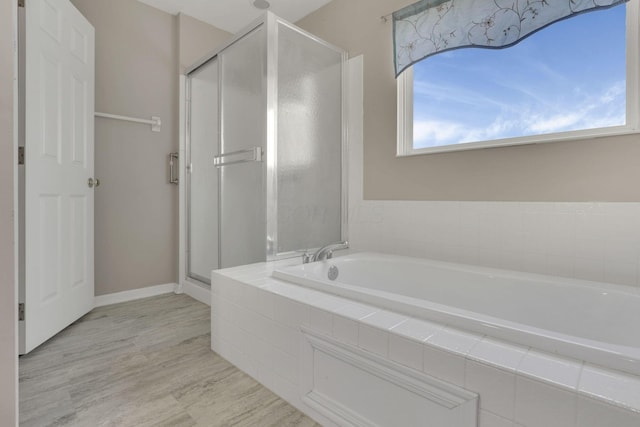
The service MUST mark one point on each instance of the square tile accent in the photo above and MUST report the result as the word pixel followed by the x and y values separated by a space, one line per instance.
pixel 406 352
pixel 345 330
pixel 443 365
pixel 487 419
pixel 454 340
pixel 356 311
pixel 618 388
pixel 596 414
pixel 320 321
pixel 419 330
pixel 373 340
pixel 330 303
pixel 498 353
pixel 384 319
pixel 496 387
pixel 551 368
pixel 542 405
pixel 289 313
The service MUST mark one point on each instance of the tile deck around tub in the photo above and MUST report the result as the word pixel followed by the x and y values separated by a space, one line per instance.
pixel 565 386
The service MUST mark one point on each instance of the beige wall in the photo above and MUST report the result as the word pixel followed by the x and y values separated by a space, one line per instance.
pixel 196 39
pixel 8 350
pixel 136 209
pixel 605 169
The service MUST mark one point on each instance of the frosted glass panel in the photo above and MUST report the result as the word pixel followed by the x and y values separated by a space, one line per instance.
pixel 202 179
pixel 243 216
pixel 309 142
pixel 278 94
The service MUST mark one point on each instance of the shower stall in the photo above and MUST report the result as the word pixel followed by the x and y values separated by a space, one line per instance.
pixel 263 156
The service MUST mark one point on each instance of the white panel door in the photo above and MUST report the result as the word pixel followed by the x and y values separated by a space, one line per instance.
pixel 59 114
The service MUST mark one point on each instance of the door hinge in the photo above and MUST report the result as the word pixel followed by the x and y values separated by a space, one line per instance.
pixel 21 3
pixel 21 155
pixel 21 311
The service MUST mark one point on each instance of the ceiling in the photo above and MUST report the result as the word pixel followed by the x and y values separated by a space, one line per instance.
pixel 233 15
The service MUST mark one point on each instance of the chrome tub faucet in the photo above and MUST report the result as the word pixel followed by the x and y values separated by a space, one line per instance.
pixel 325 252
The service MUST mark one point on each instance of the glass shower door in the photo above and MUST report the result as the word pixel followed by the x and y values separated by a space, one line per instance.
pixel 265 149
pixel 242 187
pixel 202 176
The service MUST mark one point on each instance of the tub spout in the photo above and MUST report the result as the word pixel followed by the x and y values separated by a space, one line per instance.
pixel 326 252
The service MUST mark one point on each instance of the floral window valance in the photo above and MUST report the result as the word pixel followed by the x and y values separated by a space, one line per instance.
pixel 432 26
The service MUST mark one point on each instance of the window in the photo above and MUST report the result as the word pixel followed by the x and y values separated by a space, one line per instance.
pixel 577 78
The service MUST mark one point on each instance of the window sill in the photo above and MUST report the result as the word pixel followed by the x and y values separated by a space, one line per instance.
pixel 404 151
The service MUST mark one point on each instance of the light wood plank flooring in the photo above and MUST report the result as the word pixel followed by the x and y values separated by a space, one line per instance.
pixel 143 363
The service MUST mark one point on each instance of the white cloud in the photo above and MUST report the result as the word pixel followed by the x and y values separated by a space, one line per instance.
pixel 589 111
pixel 434 133
pixel 429 133
pixel 595 110
pixel 553 123
pixel 454 94
pixel 614 92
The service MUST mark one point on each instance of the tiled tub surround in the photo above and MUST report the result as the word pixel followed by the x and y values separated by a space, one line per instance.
pixel 257 321
pixel 591 321
pixel 598 241
pixel 590 241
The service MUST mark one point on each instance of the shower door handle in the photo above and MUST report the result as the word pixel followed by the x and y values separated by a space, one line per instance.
pixel 242 156
pixel 173 178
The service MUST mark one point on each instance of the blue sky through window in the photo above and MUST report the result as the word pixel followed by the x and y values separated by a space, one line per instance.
pixel 568 76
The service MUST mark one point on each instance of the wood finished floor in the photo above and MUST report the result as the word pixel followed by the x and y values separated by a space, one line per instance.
pixel 143 363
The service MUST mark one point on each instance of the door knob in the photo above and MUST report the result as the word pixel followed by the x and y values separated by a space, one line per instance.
pixel 93 182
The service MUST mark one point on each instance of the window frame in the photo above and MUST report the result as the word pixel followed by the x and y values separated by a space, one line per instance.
pixel 632 126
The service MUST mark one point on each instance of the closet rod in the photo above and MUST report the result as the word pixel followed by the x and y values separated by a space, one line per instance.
pixel 155 121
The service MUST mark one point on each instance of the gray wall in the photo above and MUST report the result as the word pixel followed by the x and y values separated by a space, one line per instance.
pixel 136 210
pixel 8 349
pixel 602 169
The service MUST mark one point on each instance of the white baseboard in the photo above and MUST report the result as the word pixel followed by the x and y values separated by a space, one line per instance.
pixel 134 294
pixel 198 292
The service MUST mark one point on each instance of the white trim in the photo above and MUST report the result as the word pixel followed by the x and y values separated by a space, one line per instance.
pixel 197 291
pixel 355 104
pixel 404 112
pixel 524 140
pixel 633 65
pixel 16 233
pixel 134 294
pixel 442 397
pixel 182 129
pixel 346 119
pixel 405 107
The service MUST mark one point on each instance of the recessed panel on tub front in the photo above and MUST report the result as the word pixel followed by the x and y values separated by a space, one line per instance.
pixel 353 387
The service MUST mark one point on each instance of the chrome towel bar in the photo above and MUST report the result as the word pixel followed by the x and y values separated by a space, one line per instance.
pixel 251 155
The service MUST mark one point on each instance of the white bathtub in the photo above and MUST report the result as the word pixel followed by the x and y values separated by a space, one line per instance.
pixel 590 321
